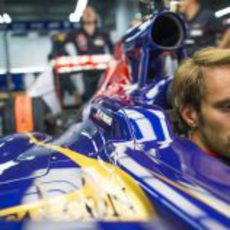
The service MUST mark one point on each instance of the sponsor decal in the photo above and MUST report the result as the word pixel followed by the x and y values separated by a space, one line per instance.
pixel 81 41
pixel 100 115
pixel 99 41
pixel 61 37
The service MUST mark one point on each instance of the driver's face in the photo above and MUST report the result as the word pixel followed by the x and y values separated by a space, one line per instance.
pixel 214 118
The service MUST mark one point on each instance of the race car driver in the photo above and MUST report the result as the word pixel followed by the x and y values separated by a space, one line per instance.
pixel 90 40
pixel 201 91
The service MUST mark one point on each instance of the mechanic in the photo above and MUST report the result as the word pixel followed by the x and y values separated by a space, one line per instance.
pixel 90 40
pixel 59 42
pixel 203 25
pixel 201 90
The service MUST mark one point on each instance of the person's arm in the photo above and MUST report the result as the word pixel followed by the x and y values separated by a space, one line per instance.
pixel 108 43
pixel 225 41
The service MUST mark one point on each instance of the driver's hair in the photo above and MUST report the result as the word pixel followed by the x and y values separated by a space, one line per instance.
pixel 188 87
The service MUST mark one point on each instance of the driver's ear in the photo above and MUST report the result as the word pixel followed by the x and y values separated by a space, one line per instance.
pixel 189 115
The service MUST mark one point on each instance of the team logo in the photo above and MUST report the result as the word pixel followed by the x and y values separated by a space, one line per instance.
pixel 81 41
pixel 99 41
pixel 61 37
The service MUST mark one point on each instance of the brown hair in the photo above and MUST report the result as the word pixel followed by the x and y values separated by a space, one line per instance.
pixel 188 87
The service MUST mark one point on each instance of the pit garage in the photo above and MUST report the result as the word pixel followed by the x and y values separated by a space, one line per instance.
pixel 114 114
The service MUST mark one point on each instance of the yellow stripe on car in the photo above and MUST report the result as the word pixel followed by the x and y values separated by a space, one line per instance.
pixel 108 193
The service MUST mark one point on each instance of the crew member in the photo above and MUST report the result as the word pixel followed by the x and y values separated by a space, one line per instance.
pixel 59 42
pixel 203 25
pixel 90 40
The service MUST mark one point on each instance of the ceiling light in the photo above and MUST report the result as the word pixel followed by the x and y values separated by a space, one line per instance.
pixel 80 7
pixel 222 12
pixel 72 17
pixel 1 20
pixel 7 19
pixel 227 21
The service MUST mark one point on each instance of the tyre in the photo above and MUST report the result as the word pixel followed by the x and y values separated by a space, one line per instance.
pixel 8 118
pixel 39 115
pixel 10 121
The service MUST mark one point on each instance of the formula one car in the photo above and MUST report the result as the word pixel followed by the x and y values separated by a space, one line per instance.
pixel 124 166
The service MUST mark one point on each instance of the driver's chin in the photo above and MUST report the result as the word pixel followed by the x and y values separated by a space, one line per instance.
pixel 217 144
pixel 226 148
pixel 221 146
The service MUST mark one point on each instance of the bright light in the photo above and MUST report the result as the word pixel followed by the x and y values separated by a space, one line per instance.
pixel 7 19
pixel 227 21
pixel 221 13
pixel 80 7
pixel 72 17
pixel 1 20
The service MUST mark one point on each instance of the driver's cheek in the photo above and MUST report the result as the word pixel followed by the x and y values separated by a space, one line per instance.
pixel 214 120
pixel 222 119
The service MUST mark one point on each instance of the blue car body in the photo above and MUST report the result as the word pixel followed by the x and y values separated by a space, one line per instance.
pixel 123 167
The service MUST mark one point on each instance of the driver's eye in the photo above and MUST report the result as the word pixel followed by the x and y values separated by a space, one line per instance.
pixel 225 107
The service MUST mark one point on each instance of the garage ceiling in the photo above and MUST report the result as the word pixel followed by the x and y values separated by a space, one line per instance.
pixel 24 10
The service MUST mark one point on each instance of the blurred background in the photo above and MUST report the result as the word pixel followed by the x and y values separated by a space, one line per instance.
pixel 32 22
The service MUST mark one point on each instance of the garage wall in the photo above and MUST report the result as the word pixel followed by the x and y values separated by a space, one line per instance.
pixel 25 51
